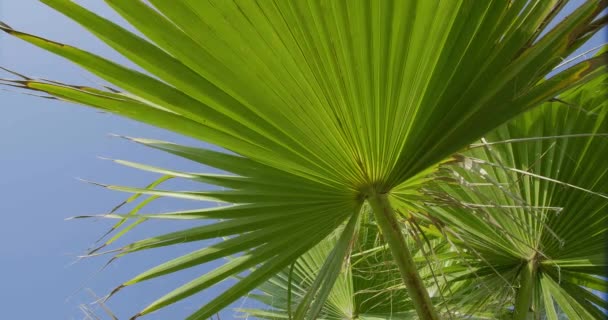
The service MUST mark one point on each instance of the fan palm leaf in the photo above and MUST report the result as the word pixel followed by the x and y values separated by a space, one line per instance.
pixel 503 239
pixel 533 206
pixel 323 105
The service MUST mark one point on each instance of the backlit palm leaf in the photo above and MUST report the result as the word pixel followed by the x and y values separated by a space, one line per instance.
pixel 325 104
pixel 495 220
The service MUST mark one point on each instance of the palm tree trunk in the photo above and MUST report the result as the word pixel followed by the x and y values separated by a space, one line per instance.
pixel 385 217
pixel 523 300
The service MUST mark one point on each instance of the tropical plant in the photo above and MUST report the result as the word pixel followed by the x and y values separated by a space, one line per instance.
pixel 515 223
pixel 326 108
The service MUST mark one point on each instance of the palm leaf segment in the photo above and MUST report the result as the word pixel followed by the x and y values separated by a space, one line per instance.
pixel 324 103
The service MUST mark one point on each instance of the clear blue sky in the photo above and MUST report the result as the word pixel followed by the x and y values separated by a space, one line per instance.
pixel 44 146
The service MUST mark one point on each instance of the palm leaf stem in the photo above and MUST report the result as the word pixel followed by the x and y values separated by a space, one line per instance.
pixel 389 226
pixel 523 299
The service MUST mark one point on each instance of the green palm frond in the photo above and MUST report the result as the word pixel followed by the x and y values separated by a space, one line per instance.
pixel 321 106
pixel 487 226
pixel 533 207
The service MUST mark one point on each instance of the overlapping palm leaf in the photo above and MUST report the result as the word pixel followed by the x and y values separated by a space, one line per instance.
pixel 369 286
pixel 320 103
pixel 532 207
